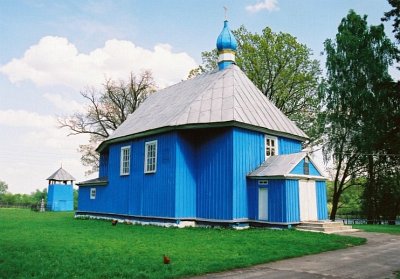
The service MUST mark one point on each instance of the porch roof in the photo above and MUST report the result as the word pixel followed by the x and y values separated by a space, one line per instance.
pixel 282 166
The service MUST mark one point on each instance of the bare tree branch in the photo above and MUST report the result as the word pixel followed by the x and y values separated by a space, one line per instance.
pixel 106 110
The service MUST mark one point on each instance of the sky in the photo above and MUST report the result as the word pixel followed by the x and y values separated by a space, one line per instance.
pixel 50 51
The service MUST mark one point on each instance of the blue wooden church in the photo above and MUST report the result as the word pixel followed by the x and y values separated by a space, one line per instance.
pixel 212 149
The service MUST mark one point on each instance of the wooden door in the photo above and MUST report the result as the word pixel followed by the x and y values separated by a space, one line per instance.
pixel 307 200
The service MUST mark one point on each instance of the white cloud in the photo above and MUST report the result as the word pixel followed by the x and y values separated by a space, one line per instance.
pixel 33 148
pixel 37 129
pixel 269 5
pixel 22 118
pixel 56 61
pixel 64 104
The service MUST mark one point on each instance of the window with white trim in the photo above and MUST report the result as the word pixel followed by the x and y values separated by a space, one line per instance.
pixel 150 157
pixel 125 162
pixel 271 146
pixel 92 193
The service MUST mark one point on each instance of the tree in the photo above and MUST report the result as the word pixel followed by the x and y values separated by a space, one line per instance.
pixel 3 187
pixel 38 195
pixel 282 69
pixel 350 200
pixel 394 13
pixel 357 65
pixel 106 110
pixel 76 195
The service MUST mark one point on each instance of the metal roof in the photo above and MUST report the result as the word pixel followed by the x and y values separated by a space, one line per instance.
pixel 282 165
pixel 61 175
pixel 278 165
pixel 216 97
pixel 94 182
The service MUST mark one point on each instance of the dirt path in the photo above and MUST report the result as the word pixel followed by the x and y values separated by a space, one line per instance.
pixel 379 258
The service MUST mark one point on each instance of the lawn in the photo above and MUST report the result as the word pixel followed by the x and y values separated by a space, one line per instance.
pixel 55 245
pixel 392 229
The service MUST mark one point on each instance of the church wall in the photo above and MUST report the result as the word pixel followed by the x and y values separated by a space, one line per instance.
pixel 185 175
pixel 249 153
pixel 288 146
pixel 141 194
pixel 299 169
pixel 322 208
pixel 214 155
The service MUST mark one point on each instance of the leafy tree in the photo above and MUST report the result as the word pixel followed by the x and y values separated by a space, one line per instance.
pixel 357 64
pixel 3 187
pixel 8 198
pixel 282 69
pixel 38 195
pixel 351 199
pixel 76 194
pixel 395 14
pixel 106 110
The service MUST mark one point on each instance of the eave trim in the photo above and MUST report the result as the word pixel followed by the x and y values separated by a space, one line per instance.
pixel 105 143
pixel 289 176
pixel 85 184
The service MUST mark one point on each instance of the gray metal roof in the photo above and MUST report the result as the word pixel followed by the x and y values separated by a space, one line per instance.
pixel 281 165
pixel 278 165
pixel 94 182
pixel 215 97
pixel 61 175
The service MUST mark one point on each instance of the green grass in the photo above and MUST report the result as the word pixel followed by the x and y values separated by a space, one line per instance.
pixel 392 229
pixel 55 245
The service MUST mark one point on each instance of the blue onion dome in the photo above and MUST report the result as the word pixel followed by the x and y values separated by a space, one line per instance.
pixel 226 40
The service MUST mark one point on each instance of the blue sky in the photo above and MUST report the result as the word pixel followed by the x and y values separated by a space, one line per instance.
pixel 52 50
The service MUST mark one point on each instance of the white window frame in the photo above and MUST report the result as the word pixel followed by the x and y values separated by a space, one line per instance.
pixel 125 161
pixel 150 163
pixel 92 193
pixel 274 147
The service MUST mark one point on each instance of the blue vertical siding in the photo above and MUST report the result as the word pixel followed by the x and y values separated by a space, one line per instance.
pixel 292 206
pixel 322 209
pixel 200 174
pixel 252 199
pixel 283 200
pixel 276 200
pixel 313 170
pixel 299 169
pixel 112 198
pixel 185 175
pixel 60 197
pixel 103 164
pixel 137 193
pixel 153 194
pixel 248 154
pixel 288 146
pixel 214 173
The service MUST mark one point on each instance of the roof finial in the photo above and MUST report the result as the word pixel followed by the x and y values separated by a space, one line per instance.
pixel 226 13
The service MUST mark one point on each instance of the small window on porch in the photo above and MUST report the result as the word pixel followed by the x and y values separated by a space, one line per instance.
pixel 271 146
